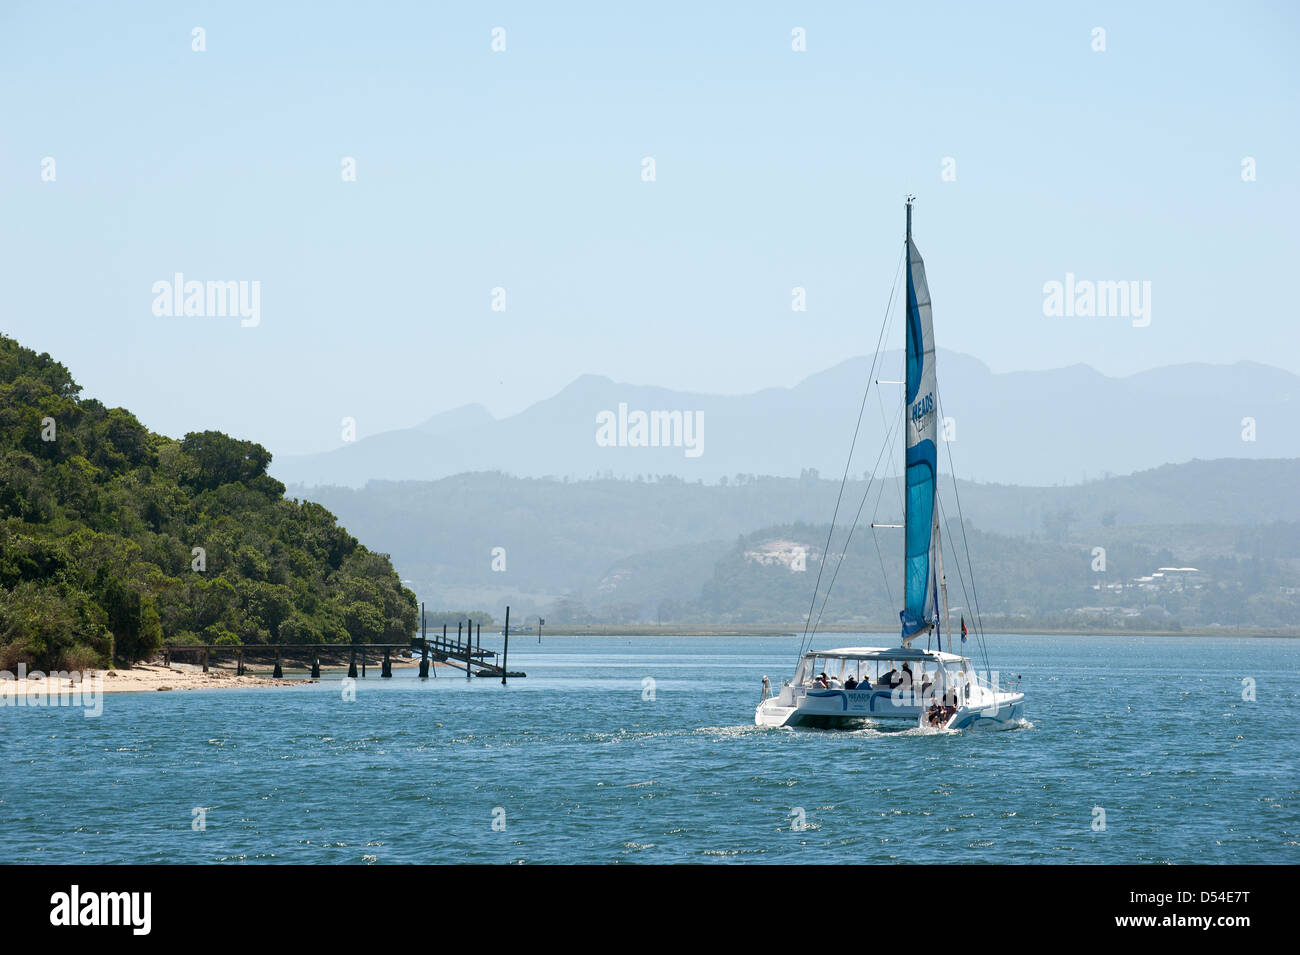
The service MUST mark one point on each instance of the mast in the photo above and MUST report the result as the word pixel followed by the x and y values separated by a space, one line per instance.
pixel 907 373
pixel 920 572
pixel 907 304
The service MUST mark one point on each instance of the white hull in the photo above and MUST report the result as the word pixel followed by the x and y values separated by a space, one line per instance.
pixel 807 703
pixel 829 709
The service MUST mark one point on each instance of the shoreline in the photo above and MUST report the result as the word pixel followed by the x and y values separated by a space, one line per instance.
pixel 672 631
pixel 155 677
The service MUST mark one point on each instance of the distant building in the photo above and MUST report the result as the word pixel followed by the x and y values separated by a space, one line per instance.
pixel 787 553
pixel 1171 579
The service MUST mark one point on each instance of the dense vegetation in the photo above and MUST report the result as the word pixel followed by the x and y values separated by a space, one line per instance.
pixel 1017 582
pixel 114 539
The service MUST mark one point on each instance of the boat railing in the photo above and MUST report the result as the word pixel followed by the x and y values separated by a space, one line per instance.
pixel 996 682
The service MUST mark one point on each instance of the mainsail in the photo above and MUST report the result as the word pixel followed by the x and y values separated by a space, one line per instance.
pixel 922 458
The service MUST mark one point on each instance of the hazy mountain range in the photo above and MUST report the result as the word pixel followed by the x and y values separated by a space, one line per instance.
pixel 1025 428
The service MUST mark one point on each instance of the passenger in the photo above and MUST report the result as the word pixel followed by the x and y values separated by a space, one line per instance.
pixel 850 683
pixel 935 714
pixel 820 682
pixel 907 674
pixel 889 679
pixel 834 683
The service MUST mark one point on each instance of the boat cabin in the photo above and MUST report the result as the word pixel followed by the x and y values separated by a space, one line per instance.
pixel 883 668
pixel 849 684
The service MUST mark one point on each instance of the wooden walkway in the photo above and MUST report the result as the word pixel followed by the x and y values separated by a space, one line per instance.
pixel 465 652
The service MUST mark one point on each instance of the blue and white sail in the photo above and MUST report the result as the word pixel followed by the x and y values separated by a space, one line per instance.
pixel 921 411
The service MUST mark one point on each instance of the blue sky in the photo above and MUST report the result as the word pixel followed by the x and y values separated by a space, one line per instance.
pixel 522 169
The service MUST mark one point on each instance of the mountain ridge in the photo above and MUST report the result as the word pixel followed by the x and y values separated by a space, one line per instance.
pixel 1083 423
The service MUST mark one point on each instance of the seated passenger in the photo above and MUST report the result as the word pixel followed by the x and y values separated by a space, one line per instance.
pixel 821 682
pixel 888 679
pixel 850 683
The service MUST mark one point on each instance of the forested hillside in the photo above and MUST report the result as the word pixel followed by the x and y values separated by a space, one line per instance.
pixel 114 539
pixel 664 550
pixel 1016 581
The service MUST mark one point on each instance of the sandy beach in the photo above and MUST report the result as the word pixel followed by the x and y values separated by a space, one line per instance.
pixel 151 677
pixel 154 677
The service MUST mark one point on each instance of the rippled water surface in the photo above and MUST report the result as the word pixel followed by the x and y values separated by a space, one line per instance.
pixel 580 767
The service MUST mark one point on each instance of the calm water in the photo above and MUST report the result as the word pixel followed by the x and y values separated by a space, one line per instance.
pixel 581 768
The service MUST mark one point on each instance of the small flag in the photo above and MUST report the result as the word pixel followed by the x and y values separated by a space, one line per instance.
pixel 963 628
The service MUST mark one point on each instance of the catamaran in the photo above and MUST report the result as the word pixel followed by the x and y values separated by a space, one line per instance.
pixel 922 687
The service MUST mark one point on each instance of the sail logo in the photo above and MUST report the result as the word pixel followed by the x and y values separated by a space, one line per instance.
pixel 923 409
pixel 212 299
pixel 1088 299
pixel 651 429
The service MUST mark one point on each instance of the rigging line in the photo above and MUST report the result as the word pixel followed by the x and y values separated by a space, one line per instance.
pixel 884 418
pixel 848 463
pixel 979 634
pixel 830 533
pixel 965 596
pixel 849 537
pixel 875 513
pixel 889 591
pixel 952 470
pixel 902 403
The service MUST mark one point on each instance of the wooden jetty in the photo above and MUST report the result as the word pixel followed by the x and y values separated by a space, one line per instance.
pixel 465 652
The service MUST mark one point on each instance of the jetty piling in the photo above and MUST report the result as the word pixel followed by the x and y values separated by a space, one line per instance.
pixel 505 651
pixel 424 647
